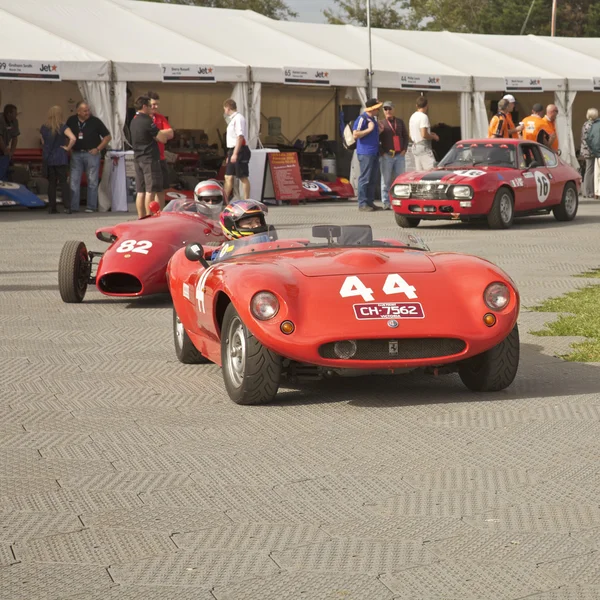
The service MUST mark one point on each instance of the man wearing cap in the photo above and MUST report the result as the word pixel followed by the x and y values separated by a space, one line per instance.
pixel 393 137
pixel 366 134
pixel 513 131
pixel 533 126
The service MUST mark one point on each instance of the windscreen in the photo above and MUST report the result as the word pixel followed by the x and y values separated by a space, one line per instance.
pixel 480 155
pixel 189 205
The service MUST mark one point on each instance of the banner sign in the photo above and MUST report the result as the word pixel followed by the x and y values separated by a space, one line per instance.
pixel 420 82
pixel 523 84
pixel 188 73
pixel 285 173
pixel 29 69
pixel 294 76
pixel 596 84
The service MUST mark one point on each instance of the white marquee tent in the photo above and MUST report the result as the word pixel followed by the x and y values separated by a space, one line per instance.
pixel 127 41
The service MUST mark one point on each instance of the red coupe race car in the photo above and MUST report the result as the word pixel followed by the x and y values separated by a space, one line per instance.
pixel 269 310
pixel 493 179
pixel 136 260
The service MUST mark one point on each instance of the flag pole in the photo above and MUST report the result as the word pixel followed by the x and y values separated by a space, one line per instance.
pixel 370 81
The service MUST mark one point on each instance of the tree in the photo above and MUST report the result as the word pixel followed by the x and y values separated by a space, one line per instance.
pixel 575 18
pixel 275 9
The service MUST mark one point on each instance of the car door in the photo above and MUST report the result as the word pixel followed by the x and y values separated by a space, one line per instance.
pixel 551 163
pixel 535 180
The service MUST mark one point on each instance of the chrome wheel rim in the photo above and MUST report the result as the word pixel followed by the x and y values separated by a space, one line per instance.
pixel 570 201
pixel 236 352
pixel 505 208
pixel 179 332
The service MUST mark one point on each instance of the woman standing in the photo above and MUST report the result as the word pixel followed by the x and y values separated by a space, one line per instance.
pixel 55 150
pixel 590 161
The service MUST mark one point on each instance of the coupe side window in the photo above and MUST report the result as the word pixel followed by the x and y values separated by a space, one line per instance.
pixel 528 154
pixel 550 158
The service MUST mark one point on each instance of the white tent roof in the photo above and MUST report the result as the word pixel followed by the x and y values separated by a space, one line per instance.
pixel 260 43
pixel 135 45
pixel 24 41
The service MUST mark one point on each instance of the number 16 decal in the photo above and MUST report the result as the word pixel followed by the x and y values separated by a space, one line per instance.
pixel 394 284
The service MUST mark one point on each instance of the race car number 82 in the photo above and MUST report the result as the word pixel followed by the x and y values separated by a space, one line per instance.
pixel 140 247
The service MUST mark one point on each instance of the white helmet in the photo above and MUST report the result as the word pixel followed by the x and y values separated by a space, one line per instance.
pixel 210 193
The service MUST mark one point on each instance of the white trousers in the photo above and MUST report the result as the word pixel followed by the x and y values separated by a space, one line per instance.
pixel 597 177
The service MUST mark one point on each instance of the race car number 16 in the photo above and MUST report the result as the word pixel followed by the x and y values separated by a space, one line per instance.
pixel 394 284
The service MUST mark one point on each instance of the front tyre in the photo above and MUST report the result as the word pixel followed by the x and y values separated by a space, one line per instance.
pixel 251 372
pixel 406 222
pixel 503 210
pixel 185 350
pixel 495 369
pixel 567 209
pixel 73 272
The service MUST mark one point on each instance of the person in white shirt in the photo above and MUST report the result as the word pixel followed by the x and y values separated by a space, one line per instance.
pixel 419 129
pixel 238 151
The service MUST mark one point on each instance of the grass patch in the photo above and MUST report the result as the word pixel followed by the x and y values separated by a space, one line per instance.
pixel 584 320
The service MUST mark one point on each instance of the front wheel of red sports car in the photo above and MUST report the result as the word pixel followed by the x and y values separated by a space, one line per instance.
pixel 503 210
pixel 406 221
pixel 73 271
pixel 185 350
pixel 251 372
pixel 495 369
pixel 567 209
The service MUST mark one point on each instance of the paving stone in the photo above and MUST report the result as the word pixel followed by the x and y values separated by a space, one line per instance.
pixel 316 586
pixel 569 593
pixel 21 526
pixel 580 570
pixel 6 555
pixel 128 592
pixel 127 481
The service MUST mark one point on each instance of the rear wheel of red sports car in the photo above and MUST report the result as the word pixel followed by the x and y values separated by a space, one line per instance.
pixel 251 372
pixel 73 271
pixel 184 347
pixel 503 210
pixel 495 369
pixel 567 209
pixel 406 221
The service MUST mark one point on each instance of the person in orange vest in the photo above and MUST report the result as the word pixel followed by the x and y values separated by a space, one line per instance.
pixel 534 126
pixel 513 131
pixel 550 126
pixel 499 124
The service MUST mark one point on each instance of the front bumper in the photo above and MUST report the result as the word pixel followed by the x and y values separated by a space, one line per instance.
pixel 437 209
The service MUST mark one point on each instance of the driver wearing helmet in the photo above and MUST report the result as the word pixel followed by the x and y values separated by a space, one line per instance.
pixel 210 197
pixel 240 220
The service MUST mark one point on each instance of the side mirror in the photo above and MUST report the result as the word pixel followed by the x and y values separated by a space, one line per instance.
pixel 195 253
pixel 533 165
pixel 154 207
pixel 559 152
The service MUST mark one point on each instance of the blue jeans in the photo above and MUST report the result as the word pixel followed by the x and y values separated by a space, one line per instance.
pixel 391 167
pixel 367 179
pixel 80 162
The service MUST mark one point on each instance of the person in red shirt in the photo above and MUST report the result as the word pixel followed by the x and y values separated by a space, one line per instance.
pixel 163 125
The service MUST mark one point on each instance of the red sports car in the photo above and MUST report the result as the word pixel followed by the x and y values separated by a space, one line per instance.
pixel 493 179
pixel 136 260
pixel 341 303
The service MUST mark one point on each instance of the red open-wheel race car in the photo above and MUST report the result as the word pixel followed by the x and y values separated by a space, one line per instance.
pixel 339 302
pixel 492 179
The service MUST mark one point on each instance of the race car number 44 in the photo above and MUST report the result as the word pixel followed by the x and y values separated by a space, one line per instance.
pixel 389 310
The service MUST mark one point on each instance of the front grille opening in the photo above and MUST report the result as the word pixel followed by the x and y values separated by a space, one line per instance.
pixel 119 283
pixel 402 349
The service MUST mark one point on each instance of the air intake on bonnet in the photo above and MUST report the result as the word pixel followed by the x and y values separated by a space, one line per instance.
pixel 119 283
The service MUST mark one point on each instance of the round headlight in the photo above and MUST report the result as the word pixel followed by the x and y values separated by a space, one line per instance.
pixel 345 349
pixel 264 305
pixel 496 296
pixel 462 191
pixel 401 190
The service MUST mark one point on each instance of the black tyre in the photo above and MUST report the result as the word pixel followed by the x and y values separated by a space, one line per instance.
pixel 495 369
pixel 251 372
pixel 406 222
pixel 567 209
pixel 73 271
pixel 184 347
pixel 503 210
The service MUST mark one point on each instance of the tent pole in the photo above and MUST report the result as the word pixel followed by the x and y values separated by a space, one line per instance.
pixel 370 80
pixel 553 31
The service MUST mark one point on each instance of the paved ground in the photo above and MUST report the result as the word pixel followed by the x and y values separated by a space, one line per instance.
pixel 126 475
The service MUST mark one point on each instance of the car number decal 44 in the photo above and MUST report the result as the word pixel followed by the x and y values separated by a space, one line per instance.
pixel 394 284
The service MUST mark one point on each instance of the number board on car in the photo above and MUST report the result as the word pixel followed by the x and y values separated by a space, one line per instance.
pixel 389 310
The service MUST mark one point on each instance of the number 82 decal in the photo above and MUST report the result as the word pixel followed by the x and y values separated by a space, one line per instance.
pixel 141 247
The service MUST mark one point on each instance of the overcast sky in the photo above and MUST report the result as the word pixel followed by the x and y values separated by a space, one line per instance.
pixel 310 10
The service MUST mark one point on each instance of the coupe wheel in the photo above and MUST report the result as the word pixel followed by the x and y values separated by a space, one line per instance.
pixel 73 272
pixel 406 222
pixel 251 372
pixel 184 347
pixel 503 210
pixel 495 369
pixel 567 209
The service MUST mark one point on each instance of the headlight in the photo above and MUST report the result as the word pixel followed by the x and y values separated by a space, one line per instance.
pixel 496 296
pixel 401 190
pixel 264 305
pixel 462 191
